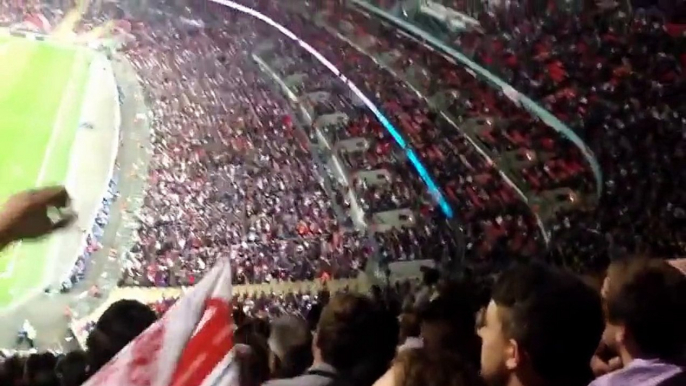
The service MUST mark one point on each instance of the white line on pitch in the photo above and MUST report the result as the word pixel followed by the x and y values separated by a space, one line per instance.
pixel 57 129
pixel 17 302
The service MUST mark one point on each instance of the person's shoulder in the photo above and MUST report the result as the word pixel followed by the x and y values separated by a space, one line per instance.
pixel 301 380
pixel 678 379
pixel 603 380
pixel 644 372
pixel 279 382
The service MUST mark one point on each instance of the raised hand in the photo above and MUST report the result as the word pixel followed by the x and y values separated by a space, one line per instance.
pixel 29 214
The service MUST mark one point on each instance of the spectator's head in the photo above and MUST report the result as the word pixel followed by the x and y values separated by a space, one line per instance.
pixel 290 342
pixel 253 356
pixel 40 370
pixel 12 370
pixel 447 323
pixel 645 309
pixel 422 367
pixel 542 326
pixel 347 327
pixel 409 326
pixel 430 275
pixel 257 326
pixel 119 324
pixel 71 369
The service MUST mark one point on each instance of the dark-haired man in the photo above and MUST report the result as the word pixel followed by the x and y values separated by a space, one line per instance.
pixel 121 323
pixel 290 346
pixel 540 328
pixel 354 343
pixel 447 323
pixel 645 310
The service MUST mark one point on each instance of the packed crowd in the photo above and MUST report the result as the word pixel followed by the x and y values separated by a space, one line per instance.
pixel 615 78
pixel 495 219
pixel 510 127
pixel 231 176
pixel 300 243
pixel 262 305
pixel 14 13
pixel 381 154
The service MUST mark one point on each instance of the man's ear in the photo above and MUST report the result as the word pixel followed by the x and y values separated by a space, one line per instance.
pixel 513 355
pixel 607 339
pixel 619 334
pixel 315 342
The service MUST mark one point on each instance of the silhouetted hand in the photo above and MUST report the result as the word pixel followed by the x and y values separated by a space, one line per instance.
pixel 27 215
pixel 679 264
pixel 601 367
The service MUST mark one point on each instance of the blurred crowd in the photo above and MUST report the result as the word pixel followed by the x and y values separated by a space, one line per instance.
pixel 613 76
pixel 617 80
pixel 494 219
pixel 499 225
pixel 399 187
pixel 231 176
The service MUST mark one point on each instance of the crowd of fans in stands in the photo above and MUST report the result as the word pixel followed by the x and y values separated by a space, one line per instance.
pixel 494 219
pixel 616 79
pixel 226 145
pixel 230 172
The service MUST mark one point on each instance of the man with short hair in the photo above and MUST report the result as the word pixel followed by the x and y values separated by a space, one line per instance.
pixel 290 345
pixel 354 343
pixel 447 323
pixel 541 328
pixel 120 324
pixel 645 311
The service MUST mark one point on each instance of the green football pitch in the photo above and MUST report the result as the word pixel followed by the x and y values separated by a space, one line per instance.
pixel 41 92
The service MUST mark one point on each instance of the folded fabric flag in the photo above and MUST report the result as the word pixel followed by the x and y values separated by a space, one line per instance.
pixel 192 345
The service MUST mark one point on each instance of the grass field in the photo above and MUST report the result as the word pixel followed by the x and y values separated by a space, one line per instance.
pixel 41 93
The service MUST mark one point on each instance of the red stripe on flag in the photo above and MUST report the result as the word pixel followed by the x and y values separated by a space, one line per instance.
pixel 210 344
pixel 145 349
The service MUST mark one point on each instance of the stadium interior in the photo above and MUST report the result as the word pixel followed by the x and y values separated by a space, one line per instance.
pixel 254 191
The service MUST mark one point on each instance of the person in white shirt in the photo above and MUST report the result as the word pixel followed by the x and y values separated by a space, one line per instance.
pixel 27 334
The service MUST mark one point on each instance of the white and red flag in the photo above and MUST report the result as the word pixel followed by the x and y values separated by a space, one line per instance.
pixel 192 345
